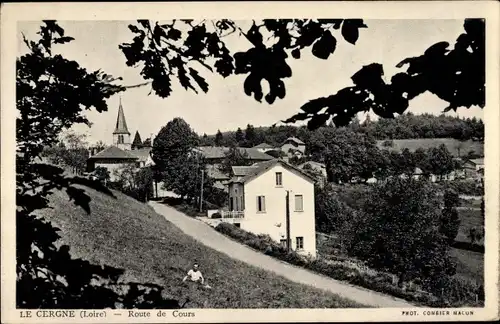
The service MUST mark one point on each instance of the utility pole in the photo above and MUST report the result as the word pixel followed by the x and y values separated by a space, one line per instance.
pixel 288 241
pixel 201 191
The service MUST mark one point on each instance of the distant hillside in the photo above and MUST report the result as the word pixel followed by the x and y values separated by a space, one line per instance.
pixel 126 234
pixel 451 144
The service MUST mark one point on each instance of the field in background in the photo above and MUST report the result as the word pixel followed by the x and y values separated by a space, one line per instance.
pixel 469 218
pixel 126 234
pixel 451 144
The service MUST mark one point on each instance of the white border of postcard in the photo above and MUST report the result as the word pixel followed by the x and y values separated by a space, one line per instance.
pixel 11 13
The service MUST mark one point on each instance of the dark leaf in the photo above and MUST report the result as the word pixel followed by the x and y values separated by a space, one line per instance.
pixel 199 79
pixel 254 35
pixel 62 40
pixel 324 46
pixel 144 23
pixel 350 29
pixel 297 117
pixel 174 34
pixel 296 53
pixel 315 105
pixel 317 121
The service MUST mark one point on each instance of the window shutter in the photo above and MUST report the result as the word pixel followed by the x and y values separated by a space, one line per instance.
pixel 263 203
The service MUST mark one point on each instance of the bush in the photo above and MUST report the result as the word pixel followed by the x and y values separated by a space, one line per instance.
pixel 464 187
pixel 344 269
pixel 216 215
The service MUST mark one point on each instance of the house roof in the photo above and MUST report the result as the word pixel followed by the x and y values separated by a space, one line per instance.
pixel 215 152
pixel 241 171
pixel 261 167
pixel 263 145
pixel 313 164
pixel 114 152
pixel 295 139
pixel 142 154
pixel 121 123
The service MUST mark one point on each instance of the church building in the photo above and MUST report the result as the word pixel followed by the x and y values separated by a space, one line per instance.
pixel 123 152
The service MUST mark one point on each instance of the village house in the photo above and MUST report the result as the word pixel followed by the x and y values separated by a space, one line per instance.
pixel 294 147
pixel 214 156
pixel 316 168
pixel 264 147
pixel 257 203
pixel 123 152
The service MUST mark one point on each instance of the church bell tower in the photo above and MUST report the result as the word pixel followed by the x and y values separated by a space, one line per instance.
pixel 121 135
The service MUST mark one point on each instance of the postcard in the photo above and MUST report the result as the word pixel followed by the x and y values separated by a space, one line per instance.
pixel 250 162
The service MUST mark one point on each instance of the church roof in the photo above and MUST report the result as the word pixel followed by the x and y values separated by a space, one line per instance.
pixel 113 152
pixel 121 123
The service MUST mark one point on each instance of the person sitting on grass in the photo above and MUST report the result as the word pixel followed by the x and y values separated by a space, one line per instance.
pixel 195 275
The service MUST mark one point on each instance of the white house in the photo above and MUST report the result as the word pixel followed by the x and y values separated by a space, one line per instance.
pixel 257 203
pixel 264 147
pixel 293 147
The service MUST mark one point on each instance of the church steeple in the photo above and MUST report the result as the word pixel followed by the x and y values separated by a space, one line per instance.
pixel 121 135
pixel 121 123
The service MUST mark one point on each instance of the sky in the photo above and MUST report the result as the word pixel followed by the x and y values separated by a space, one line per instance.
pixel 225 106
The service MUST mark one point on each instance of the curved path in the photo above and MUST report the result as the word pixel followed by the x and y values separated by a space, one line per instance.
pixel 211 238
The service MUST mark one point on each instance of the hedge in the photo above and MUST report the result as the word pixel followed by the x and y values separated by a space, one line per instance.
pixel 460 293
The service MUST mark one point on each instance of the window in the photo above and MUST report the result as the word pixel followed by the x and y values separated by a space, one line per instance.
pixel 283 242
pixel 299 241
pixel 120 139
pixel 279 179
pixel 231 203
pixel 299 203
pixel 237 203
pixel 261 204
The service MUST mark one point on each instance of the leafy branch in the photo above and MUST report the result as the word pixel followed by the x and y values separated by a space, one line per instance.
pixel 455 75
pixel 164 51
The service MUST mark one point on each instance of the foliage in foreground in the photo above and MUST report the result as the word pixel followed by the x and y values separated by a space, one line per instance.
pixel 52 94
pixel 458 293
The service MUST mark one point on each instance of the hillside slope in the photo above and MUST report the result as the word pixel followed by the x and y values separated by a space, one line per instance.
pixel 124 233
pixel 451 144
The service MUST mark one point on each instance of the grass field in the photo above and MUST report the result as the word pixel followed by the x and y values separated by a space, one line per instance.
pixel 469 218
pixel 126 234
pixel 470 265
pixel 451 144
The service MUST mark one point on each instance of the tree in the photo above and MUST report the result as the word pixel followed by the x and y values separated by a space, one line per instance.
pixel 450 222
pixel 440 161
pixel 218 138
pixel 147 142
pixel 175 140
pixel 250 136
pixel 99 146
pixel 70 152
pixel 52 94
pixel 102 174
pixel 239 136
pixel 399 232
pixel 183 177
pixel 234 157
pixel 349 155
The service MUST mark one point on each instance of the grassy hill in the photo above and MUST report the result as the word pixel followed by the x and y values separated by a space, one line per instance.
pixel 124 233
pixel 451 144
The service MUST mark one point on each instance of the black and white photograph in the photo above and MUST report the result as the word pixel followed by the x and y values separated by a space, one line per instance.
pixel 165 166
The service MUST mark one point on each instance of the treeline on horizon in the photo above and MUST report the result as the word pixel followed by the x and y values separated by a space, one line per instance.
pixel 406 126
